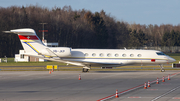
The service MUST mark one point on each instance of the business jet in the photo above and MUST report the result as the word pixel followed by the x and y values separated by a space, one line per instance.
pixel 88 57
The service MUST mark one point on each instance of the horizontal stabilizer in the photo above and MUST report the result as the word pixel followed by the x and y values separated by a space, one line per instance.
pixel 25 31
pixel 7 32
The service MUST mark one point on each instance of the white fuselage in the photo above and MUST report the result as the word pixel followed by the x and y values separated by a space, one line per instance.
pixel 118 57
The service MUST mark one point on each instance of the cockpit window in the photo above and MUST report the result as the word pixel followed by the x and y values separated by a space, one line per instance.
pixel 160 53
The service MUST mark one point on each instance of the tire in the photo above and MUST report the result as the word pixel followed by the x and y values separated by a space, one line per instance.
pixel 162 70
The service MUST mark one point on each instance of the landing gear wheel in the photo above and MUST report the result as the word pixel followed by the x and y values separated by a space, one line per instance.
pixel 85 70
pixel 162 70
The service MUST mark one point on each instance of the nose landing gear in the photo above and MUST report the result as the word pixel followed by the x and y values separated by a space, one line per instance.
pixel 162 68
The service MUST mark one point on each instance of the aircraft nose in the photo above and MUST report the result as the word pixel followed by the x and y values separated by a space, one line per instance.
pixel 171 59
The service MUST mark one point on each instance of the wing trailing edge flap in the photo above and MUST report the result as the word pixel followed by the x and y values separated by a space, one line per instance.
pixel 51 53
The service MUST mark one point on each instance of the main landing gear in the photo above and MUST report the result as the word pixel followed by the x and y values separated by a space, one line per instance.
pixel 162 68
pixel 86 68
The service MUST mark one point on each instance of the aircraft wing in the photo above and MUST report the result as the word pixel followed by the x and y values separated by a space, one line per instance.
pixel 80 63
pixel 57 60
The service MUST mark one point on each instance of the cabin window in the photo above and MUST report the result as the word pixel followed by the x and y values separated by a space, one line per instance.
pixel 124 55
pixel 86 54
pixel 139 55
pixel 131 55
pixel 108 54
pixel 93 54
pixel 101 55
pixel 116 55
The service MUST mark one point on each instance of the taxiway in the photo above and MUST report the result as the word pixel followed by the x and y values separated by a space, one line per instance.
pixel 95 85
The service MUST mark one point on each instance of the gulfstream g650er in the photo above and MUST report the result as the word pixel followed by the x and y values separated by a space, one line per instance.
pixel 88 57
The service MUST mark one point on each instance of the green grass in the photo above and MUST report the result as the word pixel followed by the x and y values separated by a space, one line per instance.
pixel 36 64
pixel 31 63
pixel 8 59
pixel 12 63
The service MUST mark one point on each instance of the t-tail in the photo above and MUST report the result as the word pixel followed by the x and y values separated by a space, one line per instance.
pixel 33 45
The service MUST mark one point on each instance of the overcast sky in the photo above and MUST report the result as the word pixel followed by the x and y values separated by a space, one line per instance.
pixel 132 11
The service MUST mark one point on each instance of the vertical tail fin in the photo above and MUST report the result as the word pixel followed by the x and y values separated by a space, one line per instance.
pixel 29 40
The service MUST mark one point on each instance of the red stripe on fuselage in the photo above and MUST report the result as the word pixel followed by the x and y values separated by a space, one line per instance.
pixel 28 37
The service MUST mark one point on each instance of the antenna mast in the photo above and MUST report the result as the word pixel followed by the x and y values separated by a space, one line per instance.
pixel 43 31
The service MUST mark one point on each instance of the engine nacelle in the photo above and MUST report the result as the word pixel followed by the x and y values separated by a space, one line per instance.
pixel 57 51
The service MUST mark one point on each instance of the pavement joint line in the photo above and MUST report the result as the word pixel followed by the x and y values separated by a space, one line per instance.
pixel 128 90
pixel 152 89
pixel 165 93
pixel 134 97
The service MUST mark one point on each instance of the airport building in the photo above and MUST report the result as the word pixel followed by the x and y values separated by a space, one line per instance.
pixel 21 57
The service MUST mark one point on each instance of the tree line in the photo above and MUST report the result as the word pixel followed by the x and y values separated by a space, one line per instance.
pixel 81 29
